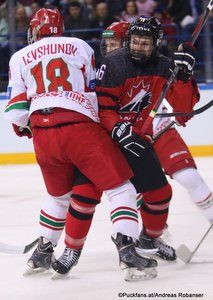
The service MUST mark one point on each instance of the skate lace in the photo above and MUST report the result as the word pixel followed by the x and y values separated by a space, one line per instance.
pixel 69 257
pixel 164 248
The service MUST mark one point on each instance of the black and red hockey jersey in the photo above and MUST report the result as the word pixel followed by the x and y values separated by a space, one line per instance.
pixel 128 91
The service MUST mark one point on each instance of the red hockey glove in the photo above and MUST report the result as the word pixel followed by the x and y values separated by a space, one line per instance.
pixel 181 121
pixel 184 57
pixel 126 135
pixel 22 131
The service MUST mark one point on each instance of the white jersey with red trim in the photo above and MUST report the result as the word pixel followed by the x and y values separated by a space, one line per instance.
pixel 52 72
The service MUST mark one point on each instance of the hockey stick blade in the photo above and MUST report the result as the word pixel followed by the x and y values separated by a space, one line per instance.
pixel 185 254
pixel 12 249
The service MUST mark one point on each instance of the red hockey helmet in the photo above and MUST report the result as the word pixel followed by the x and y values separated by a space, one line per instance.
pixel 117 30
pixel 114 37
pixel 45 22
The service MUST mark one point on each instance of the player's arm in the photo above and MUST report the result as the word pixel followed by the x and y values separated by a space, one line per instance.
pixel 108 89
pixel 90 71
pixel 17 109
pixel 184 93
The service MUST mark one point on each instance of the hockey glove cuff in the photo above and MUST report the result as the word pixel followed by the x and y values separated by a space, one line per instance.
pixel 125 134
pixel 22 131
pixel 184 57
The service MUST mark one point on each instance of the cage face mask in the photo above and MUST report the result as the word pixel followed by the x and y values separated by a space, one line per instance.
pixel 144 38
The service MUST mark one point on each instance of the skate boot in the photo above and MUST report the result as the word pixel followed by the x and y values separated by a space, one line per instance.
pixel 64 264
pixel 155 247
pixel 42 257
pixel 135 266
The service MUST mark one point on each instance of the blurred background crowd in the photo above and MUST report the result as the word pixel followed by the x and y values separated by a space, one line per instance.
pixel 87 19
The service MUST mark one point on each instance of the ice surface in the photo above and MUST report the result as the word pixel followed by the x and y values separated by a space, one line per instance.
pixel 97 275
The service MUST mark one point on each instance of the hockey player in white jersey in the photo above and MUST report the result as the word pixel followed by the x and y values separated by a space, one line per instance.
pixel 52 99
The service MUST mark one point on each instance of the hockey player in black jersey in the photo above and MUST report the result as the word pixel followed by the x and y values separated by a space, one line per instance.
pixel 129 83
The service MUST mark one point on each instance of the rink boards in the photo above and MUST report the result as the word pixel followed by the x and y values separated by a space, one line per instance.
pixel 198 134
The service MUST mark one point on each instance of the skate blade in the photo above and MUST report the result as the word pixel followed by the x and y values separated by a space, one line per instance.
pixel 133 274
pixel 31 271
pixel 56 275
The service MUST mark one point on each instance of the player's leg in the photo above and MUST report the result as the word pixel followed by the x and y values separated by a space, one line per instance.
pixel 54 208
pixel 150 180
pixel 104 165
pixel 51 224
pixel 53 216
pixel 179 164
pixel 80 213
pixel 198 190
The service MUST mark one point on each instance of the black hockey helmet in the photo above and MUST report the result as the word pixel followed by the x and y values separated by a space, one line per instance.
pixel 145 26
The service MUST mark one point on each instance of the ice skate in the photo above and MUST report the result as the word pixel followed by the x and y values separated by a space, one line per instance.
pixel 41 259
pixel 135 266
pixel 155 247
pixel 64 264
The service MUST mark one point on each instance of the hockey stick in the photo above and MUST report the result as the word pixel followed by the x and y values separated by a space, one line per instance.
pixel 189 114
pixel 195 34
pixel 193 113
pixel 157 135
pixel 12 249
pixel 185 254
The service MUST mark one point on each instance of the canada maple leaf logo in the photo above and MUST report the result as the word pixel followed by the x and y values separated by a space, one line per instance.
pixel 140 101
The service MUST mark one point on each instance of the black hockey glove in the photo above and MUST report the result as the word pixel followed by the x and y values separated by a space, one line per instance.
pixel 124 134
pixel 184 57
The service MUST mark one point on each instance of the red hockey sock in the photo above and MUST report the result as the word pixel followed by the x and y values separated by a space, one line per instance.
pixel 84 199
pixel 154 210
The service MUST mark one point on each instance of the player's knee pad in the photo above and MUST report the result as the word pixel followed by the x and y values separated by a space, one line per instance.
pixel 192 181
pixel 56 206
pixel 61 201
pixel 84 199
pixel 157 201
pixel 124 193
pixel 124 215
